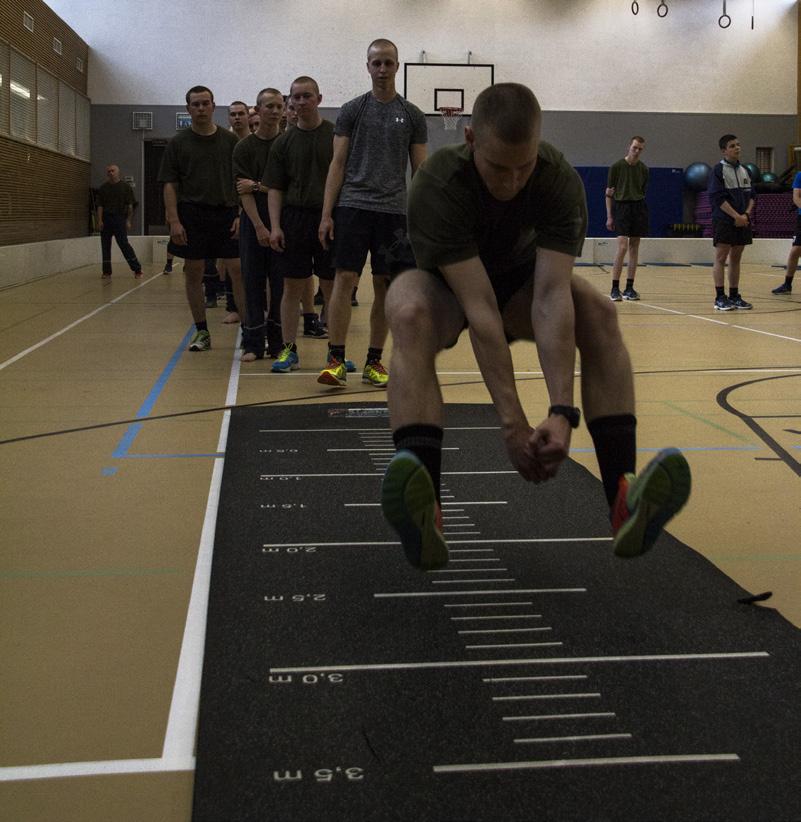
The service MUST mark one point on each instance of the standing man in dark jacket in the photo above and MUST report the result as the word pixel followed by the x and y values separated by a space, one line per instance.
pixel 115 206
pixel 732 199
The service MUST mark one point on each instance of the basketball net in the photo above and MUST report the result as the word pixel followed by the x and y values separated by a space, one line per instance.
pixel 451 117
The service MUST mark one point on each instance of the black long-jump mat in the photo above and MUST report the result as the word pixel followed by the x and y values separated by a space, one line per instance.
pixel 537 677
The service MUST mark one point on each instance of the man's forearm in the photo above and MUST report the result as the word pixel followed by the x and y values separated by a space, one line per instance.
pixel 333 185
pixel 555 333
pixel 495 362
pixel 249 207
pixel 275 202
pixel 170 203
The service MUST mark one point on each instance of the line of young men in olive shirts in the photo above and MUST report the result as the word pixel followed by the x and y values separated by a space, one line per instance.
pixel 376 136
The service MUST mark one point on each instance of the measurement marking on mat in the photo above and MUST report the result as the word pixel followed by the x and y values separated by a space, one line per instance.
pixel 608 761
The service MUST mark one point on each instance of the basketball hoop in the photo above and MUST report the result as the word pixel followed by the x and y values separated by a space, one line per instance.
pixel 451 117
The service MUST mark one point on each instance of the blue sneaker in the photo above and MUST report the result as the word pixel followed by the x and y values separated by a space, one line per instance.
pixel 645 503
pixel 350 366
pixel 287 361
pixel 410 507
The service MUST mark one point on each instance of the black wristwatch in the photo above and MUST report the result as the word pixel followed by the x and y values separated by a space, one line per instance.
pixel 571 414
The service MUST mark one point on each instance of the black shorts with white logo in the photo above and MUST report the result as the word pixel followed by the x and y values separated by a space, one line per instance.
pixel 357 231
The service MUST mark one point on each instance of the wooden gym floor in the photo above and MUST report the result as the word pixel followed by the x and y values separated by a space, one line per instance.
pixel 102 608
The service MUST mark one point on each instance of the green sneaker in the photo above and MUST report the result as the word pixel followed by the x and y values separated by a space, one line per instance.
pixel 334 373
pixel 410 507
pixel 645 503
pixel 201 341
pixel 375 374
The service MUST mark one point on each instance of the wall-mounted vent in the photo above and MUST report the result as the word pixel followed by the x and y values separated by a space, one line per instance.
pixel 57 47
pixel 27 21
pixel 142 121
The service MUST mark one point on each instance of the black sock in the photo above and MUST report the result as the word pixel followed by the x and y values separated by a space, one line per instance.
pixel 616 284
pixel 788 280
pixel 425 442
pixel 629 284
pixel 733 293
pixel 374 355
pixel 204 326
pixel 720 291
pixel 336 352
pixel 615 440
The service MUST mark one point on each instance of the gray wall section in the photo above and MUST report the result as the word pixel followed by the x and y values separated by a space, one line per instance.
pixel 587 138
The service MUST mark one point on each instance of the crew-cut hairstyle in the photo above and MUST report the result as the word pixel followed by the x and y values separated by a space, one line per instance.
pixel 198 90
pixel 637 138
pixel 725 140
pixel 382 42
pixel 268 90
pixel 508 110
pixel 237 103
pixel 304 79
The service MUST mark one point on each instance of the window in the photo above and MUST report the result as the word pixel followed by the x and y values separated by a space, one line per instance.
pixel 764 158
pixel 46 109
pixel 57 47
pixel 79 64
pixel 66 119
pixel 27 21
pixel 4 102
pixel 82 118
pixel 22 82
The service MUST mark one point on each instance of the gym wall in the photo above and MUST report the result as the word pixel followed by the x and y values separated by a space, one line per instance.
pixel 43 191
pixel 601 73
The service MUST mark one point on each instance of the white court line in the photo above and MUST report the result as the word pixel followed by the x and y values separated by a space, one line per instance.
pixel 720 322
pixel 72 325
pixel 533 678
pixel 179 738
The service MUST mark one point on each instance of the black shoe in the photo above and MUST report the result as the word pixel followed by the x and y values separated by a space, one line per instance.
pixel 312 327
pixel 784 288
pixel 739 302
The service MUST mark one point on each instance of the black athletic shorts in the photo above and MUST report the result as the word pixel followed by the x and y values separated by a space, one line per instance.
pixel 726 233
pixel 208 232
pixel 303 255
pixel 504 283
pixel 797 238
pixel 357 231
pixel 631 218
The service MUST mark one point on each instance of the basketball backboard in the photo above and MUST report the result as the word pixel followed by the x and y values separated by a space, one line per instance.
pixel 432 86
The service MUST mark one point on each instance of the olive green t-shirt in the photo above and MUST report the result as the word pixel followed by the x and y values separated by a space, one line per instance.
pixel 114 198
pixel 202 167
pixel 250 157
pixel 298 164
pixel 453 217
pixel 628 181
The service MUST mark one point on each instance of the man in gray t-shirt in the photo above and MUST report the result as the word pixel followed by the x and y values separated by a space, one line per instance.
pixel 376 136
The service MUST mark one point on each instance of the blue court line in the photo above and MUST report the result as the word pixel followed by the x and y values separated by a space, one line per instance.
pixel 127 439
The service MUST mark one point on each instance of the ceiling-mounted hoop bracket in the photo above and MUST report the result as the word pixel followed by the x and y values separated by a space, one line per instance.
pixel 662 10
pixel 635 8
